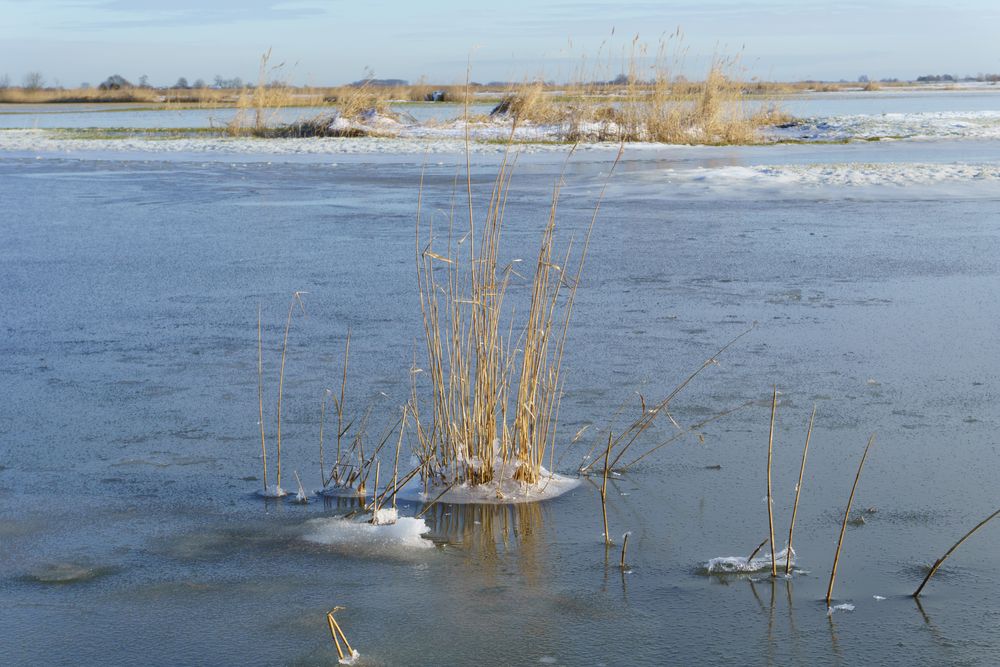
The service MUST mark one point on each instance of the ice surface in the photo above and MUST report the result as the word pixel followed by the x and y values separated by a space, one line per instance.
pixel 365 538
pixel 351 659
pixel 740 564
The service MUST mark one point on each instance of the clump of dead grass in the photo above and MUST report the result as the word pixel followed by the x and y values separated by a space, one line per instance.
pixel 495 383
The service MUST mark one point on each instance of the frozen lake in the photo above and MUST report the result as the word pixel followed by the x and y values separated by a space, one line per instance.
pixel 129 527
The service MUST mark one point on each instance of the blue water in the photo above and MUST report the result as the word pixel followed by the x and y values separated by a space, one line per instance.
pixel 129 529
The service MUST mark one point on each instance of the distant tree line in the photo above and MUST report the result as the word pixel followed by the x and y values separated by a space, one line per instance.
pixel 36 81
pixel 952 78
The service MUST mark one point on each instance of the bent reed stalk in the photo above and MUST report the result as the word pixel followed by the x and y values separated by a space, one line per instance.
pixel 843 526
pixel 942 559
pixel 631 434
pixel 798 491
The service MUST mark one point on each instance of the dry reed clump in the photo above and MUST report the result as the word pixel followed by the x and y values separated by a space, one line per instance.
pixel 495 384
pixel 714 111
pixel 78 95
pixel 355 101
pixel 529 103
pixel 257 108
pixel 649 101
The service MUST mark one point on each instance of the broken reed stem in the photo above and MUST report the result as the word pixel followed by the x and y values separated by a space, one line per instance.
pixel 939 561
pixel 434 502
pixel 843 526
pixel 302 491
pixel 624 547
pixel 334 631
pixel 798 490
pixel 757 550
pixel 770 504
pixel 260 395
pixel 604 491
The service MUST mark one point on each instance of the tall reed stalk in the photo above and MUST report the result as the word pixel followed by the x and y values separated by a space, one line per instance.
pixel 260 396
pixel 296 298
pixel 770 497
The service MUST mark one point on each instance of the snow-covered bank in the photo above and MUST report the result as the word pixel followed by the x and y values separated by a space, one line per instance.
pixel 486 137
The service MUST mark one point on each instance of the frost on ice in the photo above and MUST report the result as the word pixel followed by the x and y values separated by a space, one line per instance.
pixel 402 536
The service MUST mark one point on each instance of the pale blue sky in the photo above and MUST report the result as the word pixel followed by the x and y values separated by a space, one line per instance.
pixel 333 41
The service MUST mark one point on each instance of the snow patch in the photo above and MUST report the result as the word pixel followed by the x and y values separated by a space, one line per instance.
pixel 385 516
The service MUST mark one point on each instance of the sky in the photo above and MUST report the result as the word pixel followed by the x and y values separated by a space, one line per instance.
pixel 328 42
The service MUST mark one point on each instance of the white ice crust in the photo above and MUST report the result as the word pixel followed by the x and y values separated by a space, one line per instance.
pixel 740 564
pixel 366 538
pixel 505 491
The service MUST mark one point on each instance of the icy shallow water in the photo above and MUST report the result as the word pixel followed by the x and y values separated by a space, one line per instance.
pixel 129 527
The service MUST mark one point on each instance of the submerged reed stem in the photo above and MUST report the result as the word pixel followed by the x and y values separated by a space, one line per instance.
pixel 770 502
pixel 604 491
pixel 260 395
pixel 624 548
pixel 939 561
pixel 798 491
pixel 843 526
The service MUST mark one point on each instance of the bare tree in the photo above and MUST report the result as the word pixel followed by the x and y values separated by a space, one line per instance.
pixel 4 81
pixel 34 80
